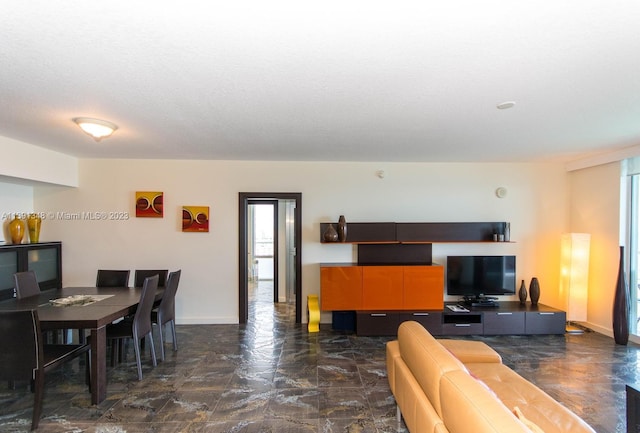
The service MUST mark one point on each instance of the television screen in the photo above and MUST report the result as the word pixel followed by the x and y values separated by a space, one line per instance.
pixel 481 275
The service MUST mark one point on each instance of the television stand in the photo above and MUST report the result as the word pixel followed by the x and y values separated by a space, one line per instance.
pixel 481 301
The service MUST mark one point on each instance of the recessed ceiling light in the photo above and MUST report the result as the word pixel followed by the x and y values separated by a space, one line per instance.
pixel 96 128
pixel 505 105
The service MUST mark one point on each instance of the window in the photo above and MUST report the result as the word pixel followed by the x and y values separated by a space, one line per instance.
pixel 633 184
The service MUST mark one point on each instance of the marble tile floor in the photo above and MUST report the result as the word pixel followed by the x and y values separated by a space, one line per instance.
pixel 272 375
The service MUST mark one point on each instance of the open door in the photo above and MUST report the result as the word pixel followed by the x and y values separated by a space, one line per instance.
pixel 293 201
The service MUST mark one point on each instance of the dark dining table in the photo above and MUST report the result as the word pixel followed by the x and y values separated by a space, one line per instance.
pixel 113 304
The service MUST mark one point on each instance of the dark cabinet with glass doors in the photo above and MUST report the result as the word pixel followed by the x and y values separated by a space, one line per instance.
pixel 45 259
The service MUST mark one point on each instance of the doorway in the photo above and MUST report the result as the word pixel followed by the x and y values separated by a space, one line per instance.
pixel 278 250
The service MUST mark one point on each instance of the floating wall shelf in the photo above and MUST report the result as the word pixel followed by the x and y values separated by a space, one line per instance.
pixel 416 233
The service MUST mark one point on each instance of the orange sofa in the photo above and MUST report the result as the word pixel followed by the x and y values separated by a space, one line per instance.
pixel 456 386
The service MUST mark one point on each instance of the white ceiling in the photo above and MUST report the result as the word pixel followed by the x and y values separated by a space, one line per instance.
pixel 351 80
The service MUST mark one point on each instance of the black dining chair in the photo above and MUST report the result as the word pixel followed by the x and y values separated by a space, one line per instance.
pixel 136 328
pixel 24 356
pixel 140 274
pixel 166 311
pixel 112 278
pixel 26 284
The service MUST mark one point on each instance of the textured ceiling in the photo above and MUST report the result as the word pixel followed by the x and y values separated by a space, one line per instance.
pixel 324 80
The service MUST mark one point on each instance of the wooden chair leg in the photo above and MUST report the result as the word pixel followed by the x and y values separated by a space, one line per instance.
pixel 121 350
pixel 173 334
pixel 153 350
pixel 136 348
pixel 114 352
pixel 161 334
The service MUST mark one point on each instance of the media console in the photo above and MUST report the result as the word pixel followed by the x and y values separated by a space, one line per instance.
pixel 395 280
pixel 508 318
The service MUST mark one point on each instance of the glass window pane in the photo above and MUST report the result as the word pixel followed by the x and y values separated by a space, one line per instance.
pixel 8 267
pixel 634 252
pixel 44 262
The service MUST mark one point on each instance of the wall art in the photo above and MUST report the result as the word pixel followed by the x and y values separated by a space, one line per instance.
pixel 149 204
pixel 195 218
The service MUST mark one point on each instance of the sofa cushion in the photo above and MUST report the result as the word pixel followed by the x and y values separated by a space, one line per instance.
pixel 427 359
pixel 467 406
pixel 514 390
pixel 471 351
pixel 530 425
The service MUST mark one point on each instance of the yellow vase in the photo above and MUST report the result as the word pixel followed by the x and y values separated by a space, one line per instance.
pixel 34 222
pixel 16 229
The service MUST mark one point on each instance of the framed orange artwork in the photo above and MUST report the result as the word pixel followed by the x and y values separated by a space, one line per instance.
pixel 195 218
pixel 149 204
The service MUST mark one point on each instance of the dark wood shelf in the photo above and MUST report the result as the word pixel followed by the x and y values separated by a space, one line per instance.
pixel 419 233
pixel 453 242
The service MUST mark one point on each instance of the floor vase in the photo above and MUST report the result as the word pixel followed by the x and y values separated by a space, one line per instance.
pixel 621 305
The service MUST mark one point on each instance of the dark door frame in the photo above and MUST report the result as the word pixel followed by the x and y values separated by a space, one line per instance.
pixel 243 286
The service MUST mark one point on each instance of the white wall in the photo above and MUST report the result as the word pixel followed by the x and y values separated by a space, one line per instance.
pixel 536 206
pixel 595 209
pixel 31 162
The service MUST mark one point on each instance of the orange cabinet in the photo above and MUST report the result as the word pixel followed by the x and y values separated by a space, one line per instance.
pixel 423 288
pixel 352 287
pixel 340 288
pixel 382 287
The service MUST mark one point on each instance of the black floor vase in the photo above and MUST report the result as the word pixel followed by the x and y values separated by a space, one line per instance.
pixel 621 305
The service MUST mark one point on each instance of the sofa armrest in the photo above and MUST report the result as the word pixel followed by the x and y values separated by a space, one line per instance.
pixel 393 351
pixel 471 351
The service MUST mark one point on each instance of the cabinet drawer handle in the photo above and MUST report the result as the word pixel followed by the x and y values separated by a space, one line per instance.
pixel 420 314
pixel 505 314
pixel 378 315
pixel 463 325
pixel 546 314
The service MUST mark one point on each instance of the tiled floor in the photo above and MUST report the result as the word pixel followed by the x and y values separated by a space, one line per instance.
pixel 273 376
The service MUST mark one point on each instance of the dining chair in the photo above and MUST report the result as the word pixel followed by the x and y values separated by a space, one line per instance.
pixel 140 274
pixel 24 356
pixel 166 311
pixel 26 284
pixel 112 278
pixel 138 327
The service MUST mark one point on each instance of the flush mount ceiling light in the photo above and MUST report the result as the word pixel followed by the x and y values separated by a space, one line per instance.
pixel 96 128
pixel 505 105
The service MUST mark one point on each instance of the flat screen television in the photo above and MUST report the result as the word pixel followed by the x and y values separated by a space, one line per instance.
pixel 478 276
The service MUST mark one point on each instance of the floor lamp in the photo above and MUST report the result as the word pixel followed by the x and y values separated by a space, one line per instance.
pixel 574 277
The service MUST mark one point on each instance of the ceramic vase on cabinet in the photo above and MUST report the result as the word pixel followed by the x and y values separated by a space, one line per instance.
pixel 522 293
pixel 34 222
pixel 621 305
pixel 16 229
pixel 534 291
pixel 342 229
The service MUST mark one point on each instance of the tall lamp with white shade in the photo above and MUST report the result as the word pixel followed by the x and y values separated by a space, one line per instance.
pixel 574 277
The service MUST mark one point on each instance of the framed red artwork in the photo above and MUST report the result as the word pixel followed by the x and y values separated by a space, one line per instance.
pixel 149 204
pixel 195 218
